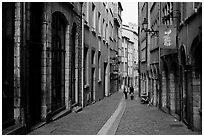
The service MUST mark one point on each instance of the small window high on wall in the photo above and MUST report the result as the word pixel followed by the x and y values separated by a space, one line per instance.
pixel 94 16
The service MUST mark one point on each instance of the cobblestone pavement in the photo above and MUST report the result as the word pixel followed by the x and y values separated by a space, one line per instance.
pixel 86 122
pixel 138 119
pixel 141 119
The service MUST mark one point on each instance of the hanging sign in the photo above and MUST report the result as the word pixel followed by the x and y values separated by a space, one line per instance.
pixel 167 37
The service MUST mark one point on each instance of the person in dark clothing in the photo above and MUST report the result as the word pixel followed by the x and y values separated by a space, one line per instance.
pixel 125 92
pixel 131 92
pixel 131 89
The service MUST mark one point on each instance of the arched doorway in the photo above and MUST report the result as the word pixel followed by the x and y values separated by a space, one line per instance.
pixel 58 61
pixel 185 83
pixel 196 77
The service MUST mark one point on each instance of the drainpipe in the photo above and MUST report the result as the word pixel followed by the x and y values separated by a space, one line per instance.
pixel 82 62
pixel 159 73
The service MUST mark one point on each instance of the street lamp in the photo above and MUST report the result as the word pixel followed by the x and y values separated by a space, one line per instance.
pixel 145 28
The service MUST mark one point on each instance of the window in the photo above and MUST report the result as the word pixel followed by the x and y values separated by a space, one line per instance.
pixel 122 67
pixel 122 52
pixel 93 57
pixel 110 29
pixel 125 68
pixel 99 45
pixel 104 28
pixel 143 55
pixel 107 32
pixel 86 66
pixel 87 12
pixel 126 52
pixel 119 11
pixel 167 10
pixel 99 65
pixel 94 16
pixel 99 23
pixel 171 10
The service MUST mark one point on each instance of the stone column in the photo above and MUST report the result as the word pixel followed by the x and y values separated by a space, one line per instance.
pixel 155 92
pixel 67 67
pixel 172 92
pixel 197 122
pixel 44 63
pixel 164 95
pixel 18 110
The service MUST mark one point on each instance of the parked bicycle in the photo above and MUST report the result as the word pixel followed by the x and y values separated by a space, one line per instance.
pixel 145 98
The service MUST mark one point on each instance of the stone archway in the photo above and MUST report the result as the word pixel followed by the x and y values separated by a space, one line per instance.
pixel 185 96
pixel 196 77
pixel 59 24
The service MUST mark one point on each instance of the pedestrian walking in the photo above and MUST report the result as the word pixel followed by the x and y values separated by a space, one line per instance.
pixel 131 92
pixel 125 92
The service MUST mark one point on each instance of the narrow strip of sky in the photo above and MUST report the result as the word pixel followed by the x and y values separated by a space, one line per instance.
pixel 130 12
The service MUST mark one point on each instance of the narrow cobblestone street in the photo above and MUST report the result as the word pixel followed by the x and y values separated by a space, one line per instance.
pixel 67 68
pixel 86 122
pixel 141 119
pixel 138 119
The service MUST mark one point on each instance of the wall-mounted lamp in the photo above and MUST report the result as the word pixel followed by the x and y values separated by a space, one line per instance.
pixel 145 28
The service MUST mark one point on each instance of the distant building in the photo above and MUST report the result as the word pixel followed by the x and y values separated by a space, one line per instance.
pixel 129 55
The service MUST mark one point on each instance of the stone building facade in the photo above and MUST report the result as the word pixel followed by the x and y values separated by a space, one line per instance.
pixel 56 57
pixel 190 62
pixel 143 49
pixel 130 55
pixel 102 24
pixel 42 46
pixel 175 72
